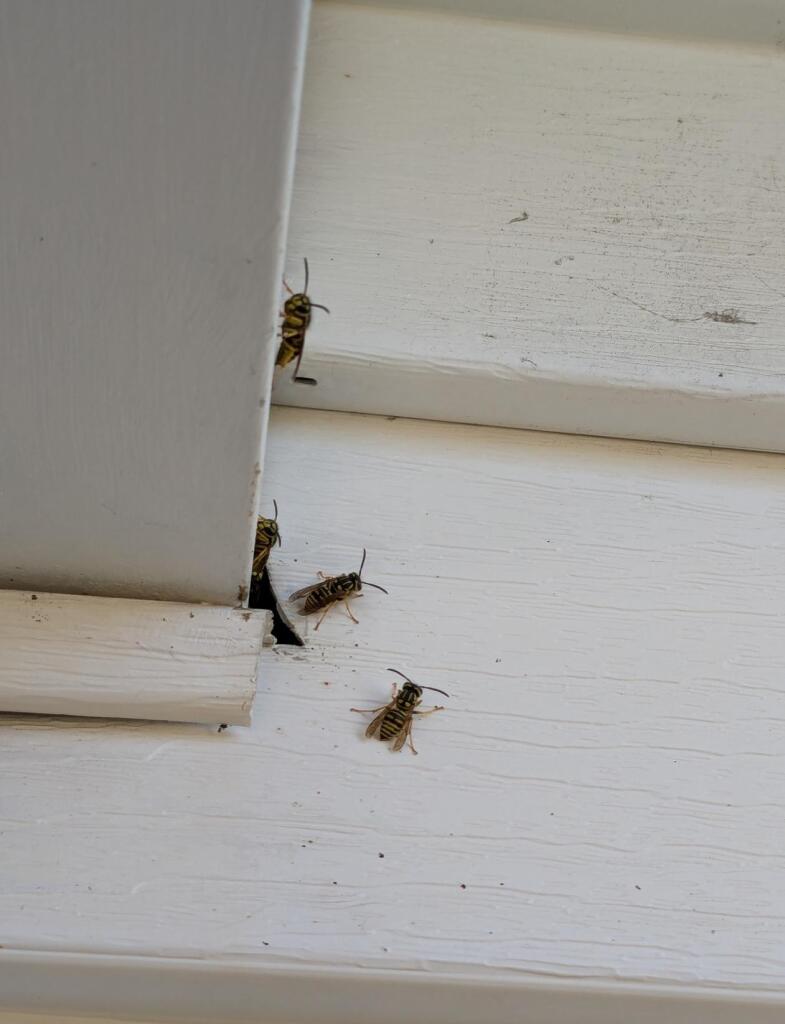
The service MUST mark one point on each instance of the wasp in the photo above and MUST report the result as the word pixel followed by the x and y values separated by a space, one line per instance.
pixel 332 589
pixel 394 721
pixel 296 318
pixel 267 536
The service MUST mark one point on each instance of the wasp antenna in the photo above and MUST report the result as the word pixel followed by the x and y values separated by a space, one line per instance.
pixel 305 289
pixel 366 584
pixel 435 688
pixel 316 305
pixel 360 570
pixel 408 680
pixel 275 507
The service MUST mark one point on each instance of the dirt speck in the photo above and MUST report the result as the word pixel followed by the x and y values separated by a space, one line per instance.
pixel 488 335
pixel 463 885
pixel 727 316
pixel 381 855
pixel 191 615
pixel 222 726
pixel 242 593
pixel 34 597
pixel 638 888
pixel 517 220
pixel 246 616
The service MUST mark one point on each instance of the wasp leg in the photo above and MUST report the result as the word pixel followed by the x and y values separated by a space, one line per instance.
pixel 349 611
pixel 301 380
pixel 409 735
pixel 286 286
pixel 438 707
pixel 323 616
pixel 392 698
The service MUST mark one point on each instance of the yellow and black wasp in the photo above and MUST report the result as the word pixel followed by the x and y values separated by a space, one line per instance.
pixel 267 536
pixel 332 589
pixel 296 319
pixel 394 721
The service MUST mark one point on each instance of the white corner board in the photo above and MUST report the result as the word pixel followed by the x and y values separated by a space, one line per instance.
pixel 606 781
pixel 105 657
pixel 649 174
pixel 143 209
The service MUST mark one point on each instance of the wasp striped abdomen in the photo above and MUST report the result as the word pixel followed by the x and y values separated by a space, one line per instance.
pixel 393 722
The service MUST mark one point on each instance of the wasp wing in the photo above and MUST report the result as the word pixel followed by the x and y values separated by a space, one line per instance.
pixel 306 590
pixel 376 724
pixel 402 736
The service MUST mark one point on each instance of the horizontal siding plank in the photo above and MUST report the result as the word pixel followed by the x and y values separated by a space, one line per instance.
pixel 606 781
pixel 532 227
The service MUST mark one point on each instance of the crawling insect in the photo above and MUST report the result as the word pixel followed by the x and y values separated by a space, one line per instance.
pixel 394 721
pixel 332 589
pixel 296 319
pixel 267 536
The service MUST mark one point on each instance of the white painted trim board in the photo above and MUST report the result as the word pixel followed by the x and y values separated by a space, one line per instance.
pixel 104 657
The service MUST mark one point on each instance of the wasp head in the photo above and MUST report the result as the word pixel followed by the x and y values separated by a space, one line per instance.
pixel 267 529
pixel 411 694
pixel 299 305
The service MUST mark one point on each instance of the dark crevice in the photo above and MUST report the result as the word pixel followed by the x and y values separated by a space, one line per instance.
pixel 262 595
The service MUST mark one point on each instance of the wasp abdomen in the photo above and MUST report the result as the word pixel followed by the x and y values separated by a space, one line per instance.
pixel 393 722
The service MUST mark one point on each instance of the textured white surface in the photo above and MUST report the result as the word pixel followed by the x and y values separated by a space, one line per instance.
pixel 143 206
pixel 606 782
pixel 650 173
pixel 62 654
